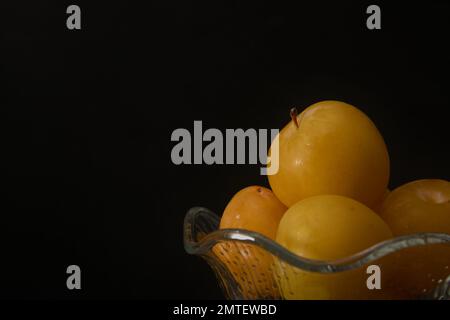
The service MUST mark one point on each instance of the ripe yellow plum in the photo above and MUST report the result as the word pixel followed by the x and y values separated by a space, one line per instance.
pixel 256 209
pixel 327 227
pixel 416 207
pixel 331 148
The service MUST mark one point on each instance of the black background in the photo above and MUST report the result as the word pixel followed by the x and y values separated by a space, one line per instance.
pixel 86 120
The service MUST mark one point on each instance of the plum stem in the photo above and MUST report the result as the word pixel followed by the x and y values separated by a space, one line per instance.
pixel 294 113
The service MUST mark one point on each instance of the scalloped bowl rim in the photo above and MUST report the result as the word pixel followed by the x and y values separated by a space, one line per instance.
pixel 354 261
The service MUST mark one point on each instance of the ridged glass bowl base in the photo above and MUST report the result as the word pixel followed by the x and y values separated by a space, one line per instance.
pixel 248 265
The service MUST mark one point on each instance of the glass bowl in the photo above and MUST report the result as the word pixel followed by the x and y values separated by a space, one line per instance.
pixel 249 265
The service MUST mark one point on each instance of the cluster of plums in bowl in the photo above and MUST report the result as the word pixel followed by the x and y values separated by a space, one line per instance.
pixel 330 200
